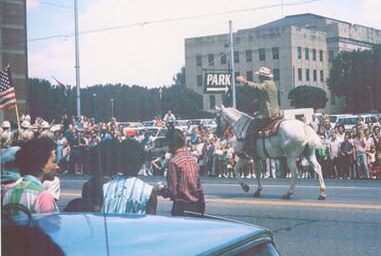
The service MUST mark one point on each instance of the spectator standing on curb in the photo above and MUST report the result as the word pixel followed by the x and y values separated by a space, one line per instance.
pixel 346 156
pixel 184 184
pixel 360 145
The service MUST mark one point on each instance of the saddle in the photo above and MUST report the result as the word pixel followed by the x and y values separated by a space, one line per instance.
pixel 271 128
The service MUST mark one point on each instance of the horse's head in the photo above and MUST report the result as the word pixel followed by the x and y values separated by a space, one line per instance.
pixel 222 124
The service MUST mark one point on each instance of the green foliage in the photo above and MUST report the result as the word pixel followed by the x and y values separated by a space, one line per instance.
pixel 131 103
pixel 179 78
pixel 308 97
pixel 357 76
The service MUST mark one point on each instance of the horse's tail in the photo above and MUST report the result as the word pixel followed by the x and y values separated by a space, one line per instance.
pixel 314 140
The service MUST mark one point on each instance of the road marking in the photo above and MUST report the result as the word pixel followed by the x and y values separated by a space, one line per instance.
pixel 297 186
pixel 274 202
pixel 295 203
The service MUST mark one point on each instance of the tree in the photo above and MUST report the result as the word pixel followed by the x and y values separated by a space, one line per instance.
pixel 179 78
pixel 308 97
pixel 131 103
pixel 356 76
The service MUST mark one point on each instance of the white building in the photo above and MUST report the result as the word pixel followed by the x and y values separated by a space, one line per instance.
pixel 297 48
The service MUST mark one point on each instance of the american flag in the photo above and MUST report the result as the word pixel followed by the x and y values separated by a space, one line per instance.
pixel 7 91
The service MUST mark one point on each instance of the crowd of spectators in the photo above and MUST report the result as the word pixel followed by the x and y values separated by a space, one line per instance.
pixel 354 154
pixel 348 154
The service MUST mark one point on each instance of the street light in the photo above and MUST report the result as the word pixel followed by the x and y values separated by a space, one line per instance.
pixel 160 95
pixel 94 107
pixel 112 107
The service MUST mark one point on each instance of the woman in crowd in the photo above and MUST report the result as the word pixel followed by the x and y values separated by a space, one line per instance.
pixel 36 161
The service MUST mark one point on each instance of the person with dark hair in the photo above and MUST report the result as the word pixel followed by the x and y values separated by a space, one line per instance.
pixel 115 184
pixel 83 205
pixel 184 184
pixel 36 161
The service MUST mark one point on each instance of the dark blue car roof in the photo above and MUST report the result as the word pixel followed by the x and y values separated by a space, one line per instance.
pixel 84 234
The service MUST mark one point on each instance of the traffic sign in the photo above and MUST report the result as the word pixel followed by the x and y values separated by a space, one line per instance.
pixel 217 81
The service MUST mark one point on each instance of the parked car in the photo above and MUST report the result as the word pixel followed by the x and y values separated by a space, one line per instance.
pixel 335 117
pixel 159 145
pixel 148 123
pixel 182 124
pixel 131 234
pixel 348 121
pixel 210 123
pixel 130 129
pixel 370 118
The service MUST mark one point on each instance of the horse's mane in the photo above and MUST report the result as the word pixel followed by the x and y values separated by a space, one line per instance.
pixel 236 114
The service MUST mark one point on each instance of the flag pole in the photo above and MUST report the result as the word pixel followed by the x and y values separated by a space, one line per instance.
pixel 16 108
pixel 17 115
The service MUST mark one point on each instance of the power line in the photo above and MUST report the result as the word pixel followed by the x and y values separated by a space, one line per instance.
pixel 142 24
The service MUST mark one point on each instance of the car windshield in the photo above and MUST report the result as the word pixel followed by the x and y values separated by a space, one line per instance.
pixel 333 119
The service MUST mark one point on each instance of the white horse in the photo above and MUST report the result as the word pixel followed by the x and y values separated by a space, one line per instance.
pixel 294 138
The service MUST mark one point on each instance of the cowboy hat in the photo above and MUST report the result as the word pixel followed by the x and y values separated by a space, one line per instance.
pixel 6 124
pixel 44 125
pixel 263 71
pixel 25 124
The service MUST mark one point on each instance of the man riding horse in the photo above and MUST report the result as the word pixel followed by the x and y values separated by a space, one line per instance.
pixel 268 106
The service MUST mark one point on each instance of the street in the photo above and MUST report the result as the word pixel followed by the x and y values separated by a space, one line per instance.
pixel 348 222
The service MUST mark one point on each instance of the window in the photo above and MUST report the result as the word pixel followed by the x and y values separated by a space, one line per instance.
pixel 198 60
pixel 249 55
pixel 307 74
pixel 223 58
pixel 299 52
pixel 331 56
pixel 236 57
pixel 279 98
pixel 313 54
pixel 275 51
pixel 210 59
pixel 314 74
pixel 300 75
pixel 321 55
pixel 307 53
pixel 199 80
pixel 249 75
pixel 321 76
pixel 212 101
pixel 276 73
pixel 262 54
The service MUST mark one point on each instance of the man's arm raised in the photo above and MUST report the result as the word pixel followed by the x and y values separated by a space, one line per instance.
pixel 243 80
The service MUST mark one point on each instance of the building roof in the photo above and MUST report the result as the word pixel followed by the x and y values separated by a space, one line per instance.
pixel 300 19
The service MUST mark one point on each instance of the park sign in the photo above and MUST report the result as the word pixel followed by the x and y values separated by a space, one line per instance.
pixel 217 81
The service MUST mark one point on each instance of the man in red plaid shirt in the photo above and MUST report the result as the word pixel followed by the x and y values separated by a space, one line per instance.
pixel 184 185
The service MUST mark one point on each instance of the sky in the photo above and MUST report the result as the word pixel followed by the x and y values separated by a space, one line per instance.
pixel 148 47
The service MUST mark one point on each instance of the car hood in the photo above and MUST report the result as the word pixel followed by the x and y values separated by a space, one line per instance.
pixel 128 234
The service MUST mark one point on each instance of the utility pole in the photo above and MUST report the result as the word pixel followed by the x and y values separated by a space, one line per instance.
pixel 112 107
pixel 232 62
pixel 77 78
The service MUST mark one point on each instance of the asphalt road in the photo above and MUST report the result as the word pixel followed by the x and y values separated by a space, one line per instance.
pixel 348 222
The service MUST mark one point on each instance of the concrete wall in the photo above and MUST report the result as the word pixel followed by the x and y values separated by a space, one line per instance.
pixel 13 50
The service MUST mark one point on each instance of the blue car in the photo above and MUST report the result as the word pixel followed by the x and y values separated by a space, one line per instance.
pixel 129 234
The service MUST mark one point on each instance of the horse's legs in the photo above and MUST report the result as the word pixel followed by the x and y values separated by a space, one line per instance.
pixel 291 161
pixel 317 168
pixel 240 164
pixel 258 170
